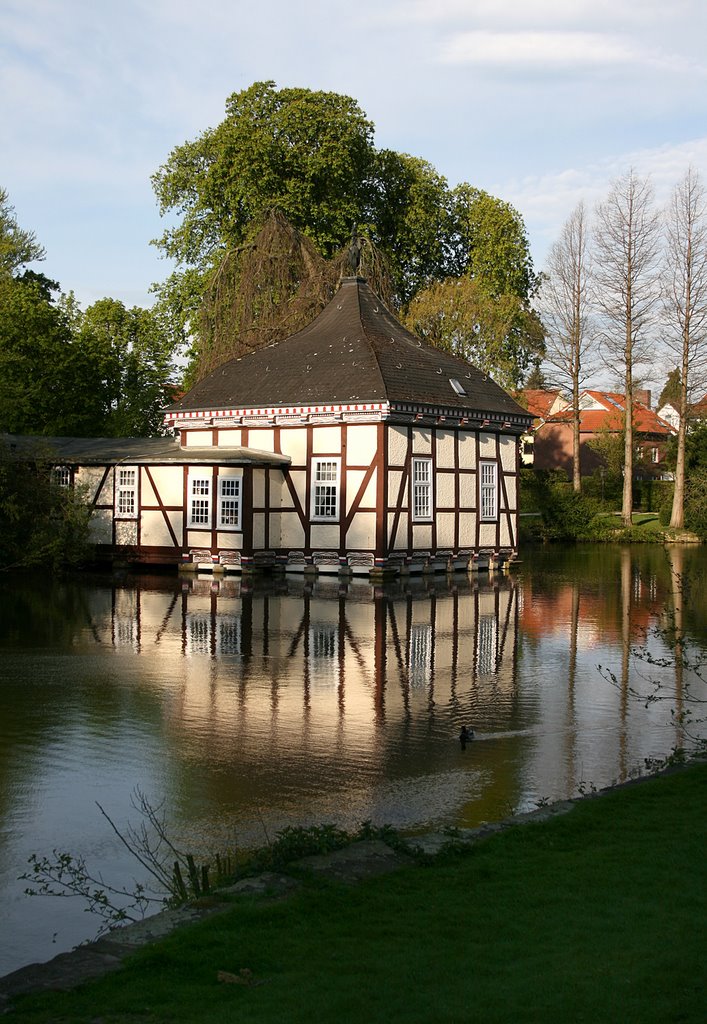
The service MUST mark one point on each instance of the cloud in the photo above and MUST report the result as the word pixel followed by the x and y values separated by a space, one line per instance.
pixel 543 49
pixel 546 201
pixel 556 51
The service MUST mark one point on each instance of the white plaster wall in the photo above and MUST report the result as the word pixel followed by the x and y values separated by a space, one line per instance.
pixel 229 539
pixel 362 443
pixel 147 491
pixel 326 440
pixel 198 539
pixel 125 532
pixel 421 441
pixel 154 530
pixel 397 446
pixel 445 449
pixel 299 480
pixel 400 541
pixel 91 476
pixel 512 488
pixel 290 529
pixel 467 490
pixel 368 499
pixel 362 532
pixel 258 487
pixel 285 498
pixel 177 521
pixel 394 479
pixel 421 537
pixel 258 531
pixel 467 450
pixel 354 478
pixel 445 529
pixel 229 438
pixel 444 490
pixel 487 535
pixel 467 529
pixel 101 526
pixel 505 533
pixel 293 442
pixel 168 481
pixel 487 446
pixel 197 438
pixel 508 447
pixel 324 536
pixel 261 439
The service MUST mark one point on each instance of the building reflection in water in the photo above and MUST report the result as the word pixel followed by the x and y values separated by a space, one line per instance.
pixel 322 698
pixel 248 707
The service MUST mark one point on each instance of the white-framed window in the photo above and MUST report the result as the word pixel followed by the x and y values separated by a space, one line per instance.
pixel 61 476
pixel 126 492
pixel 200 501
pixel 230 496
pixel 421 489
pixel 325 489
pixel 489 490
pixel 655 454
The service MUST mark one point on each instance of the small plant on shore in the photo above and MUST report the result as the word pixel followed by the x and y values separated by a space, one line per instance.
pixel 175 876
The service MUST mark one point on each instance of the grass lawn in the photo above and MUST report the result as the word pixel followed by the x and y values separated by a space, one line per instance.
pixel 597 916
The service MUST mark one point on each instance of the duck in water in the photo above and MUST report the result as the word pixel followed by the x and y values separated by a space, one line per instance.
pixel 465 736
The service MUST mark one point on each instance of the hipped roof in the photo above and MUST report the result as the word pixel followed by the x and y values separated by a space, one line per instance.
pixel 355 351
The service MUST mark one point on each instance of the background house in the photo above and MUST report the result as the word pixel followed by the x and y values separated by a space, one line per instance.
pixel 601 418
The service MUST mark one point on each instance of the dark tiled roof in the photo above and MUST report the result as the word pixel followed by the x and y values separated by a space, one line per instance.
pixel 103 451
pixel 354 352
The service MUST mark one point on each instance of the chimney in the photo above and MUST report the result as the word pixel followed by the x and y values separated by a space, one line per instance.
pixel 642 395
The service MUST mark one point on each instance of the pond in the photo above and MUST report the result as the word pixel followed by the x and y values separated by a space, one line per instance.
pixel 246 706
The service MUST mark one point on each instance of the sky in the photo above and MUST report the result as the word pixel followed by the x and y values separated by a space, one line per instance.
pixel 539 102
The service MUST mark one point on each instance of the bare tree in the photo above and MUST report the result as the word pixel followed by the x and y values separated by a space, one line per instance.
pixel 564 301
pixel 685 306
pixel 627 239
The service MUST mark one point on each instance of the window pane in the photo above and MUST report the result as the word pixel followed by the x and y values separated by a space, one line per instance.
pixel 325 498
pixel 200 508
pixel 489 490
pixel 422 488
pixel 230 501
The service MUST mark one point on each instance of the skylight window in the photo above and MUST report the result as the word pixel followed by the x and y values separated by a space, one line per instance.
pixel 458 387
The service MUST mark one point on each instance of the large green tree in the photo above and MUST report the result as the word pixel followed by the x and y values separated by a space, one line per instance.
pixel 127 359
pixel 497 333
pixel 38 374
pixel 65 372
pixel 41 523
pixel 271 194
pixel 18 247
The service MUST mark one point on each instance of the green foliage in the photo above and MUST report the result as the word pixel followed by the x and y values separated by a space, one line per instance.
pixel 309 159
pixel 127 357
pixel 17 246
pixel 564 514
pixel 696 503
pixel 105 372
pixel 497 333
pixel 491 243
pixel 610 447
pixel 41 523
pixel 411 221
pixel 308 154
pixel 671 390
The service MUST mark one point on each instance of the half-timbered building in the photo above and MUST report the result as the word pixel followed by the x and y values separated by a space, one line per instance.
pixel 352 446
